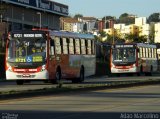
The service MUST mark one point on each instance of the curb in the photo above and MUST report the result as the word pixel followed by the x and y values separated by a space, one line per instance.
pixel 64 90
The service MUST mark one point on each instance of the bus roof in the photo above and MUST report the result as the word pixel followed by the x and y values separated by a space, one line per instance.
pixel 139 44
pixel 56 33
pixel 147 45
pixel 26 31
pixel 70 34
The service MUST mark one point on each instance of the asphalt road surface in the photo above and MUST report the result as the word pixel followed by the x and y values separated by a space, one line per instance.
pixel 124 103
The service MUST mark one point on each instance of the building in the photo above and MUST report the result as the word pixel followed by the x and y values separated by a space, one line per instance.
pixel 144 30
pixel 71 24
pixel 101 25
pixel 89 23
pixel 157 33
pixel 140 21
pixel 105 24
pixel 28 14
pixel 132 29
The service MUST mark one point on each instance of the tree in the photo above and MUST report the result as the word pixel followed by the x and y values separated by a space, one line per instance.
pixel 107 18
pixel 102 34
pixel 155 17
pixel 76 16
pixel 125 18
pixel 124 15
pixel 135 38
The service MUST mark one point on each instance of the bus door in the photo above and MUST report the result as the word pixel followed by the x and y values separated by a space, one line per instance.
pixel 52 63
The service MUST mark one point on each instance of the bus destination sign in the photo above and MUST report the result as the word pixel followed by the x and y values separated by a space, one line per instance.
pixel 27 35
pixel 124 46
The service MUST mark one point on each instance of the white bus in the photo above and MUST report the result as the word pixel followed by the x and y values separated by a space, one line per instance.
pixel 49 55
pixel 134 58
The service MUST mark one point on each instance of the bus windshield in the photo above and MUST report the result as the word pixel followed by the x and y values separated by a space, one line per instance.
pixel 27 50
pixel 124 55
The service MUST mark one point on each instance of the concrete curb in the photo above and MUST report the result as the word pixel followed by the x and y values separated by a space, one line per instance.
pixel 63 89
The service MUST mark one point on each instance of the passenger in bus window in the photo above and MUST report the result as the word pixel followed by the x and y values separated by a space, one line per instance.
pixel 130 56
pixel 23 50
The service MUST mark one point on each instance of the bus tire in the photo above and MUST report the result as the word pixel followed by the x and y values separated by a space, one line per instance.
pixel 58 75
pixel 81 75
pixel 140 72
pixel 151 71
pixel 19 82
pixel 80 78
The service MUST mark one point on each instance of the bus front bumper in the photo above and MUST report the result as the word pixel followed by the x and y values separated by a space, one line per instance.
pixel 16 76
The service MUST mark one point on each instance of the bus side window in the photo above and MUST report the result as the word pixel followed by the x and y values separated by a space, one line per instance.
pixel 58 48
pixel 86 45
pixel 51 47
pixel 146 52
pixel 93 47
pixel 65 46
pixel 89 47
pixel 83 47
pixel 71 46
pixel 77 46
pixel 150 53
pixel 155 53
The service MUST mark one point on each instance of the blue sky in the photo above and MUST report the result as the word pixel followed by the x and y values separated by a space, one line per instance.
pixel 100 8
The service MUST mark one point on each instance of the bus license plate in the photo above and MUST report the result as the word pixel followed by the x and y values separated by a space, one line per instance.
pixel 26 75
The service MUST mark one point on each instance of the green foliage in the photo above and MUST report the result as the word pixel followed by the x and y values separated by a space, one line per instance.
pixel 155 17
pixel 107 18
pixel 109 39
pixel 135 38
pixel 124 15
pixel 124 18
pixel 76 16
pixel 101 35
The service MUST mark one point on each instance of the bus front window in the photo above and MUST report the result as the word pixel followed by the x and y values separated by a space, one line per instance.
pixel 124 55
pixel 27 50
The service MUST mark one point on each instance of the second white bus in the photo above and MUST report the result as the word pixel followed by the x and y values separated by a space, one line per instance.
pixel 142 58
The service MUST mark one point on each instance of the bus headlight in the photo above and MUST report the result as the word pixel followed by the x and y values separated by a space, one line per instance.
pixel 43 67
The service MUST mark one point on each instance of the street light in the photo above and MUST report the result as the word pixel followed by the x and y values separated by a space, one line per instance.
pixel 40 21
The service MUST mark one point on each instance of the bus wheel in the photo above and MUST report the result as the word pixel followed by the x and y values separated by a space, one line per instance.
pixel 150 74
pixel 81 77
pixel 19 82
pixel 58 76
pixel 140 72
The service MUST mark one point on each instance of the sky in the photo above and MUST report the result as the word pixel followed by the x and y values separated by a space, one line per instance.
pixel 101 8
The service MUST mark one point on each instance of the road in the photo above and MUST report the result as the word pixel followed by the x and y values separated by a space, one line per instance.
pixel 124 103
